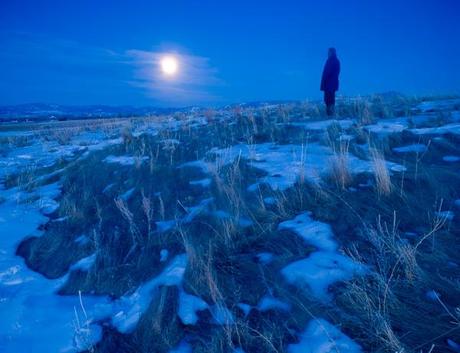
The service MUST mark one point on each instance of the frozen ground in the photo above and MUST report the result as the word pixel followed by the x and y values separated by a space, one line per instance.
pixel 32 314
pixel 285 164
pixel 316 261
pixel 321 336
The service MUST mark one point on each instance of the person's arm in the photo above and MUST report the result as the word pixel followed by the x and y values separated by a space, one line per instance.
pixel 325 75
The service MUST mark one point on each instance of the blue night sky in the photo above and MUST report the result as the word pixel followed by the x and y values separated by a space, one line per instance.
pixel 107 52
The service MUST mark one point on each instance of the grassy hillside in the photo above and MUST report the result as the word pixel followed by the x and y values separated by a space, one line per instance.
pixel 249 229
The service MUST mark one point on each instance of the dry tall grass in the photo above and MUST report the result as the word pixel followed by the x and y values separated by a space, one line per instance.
pixel 340 171
pixel 380 304
pixel 384 186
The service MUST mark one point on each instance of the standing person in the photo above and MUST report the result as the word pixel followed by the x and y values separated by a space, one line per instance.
pixel 330 80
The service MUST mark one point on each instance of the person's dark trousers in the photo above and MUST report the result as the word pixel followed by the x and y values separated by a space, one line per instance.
pixel 329 100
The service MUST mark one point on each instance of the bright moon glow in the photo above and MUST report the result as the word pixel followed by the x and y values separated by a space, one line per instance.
pixel 169 65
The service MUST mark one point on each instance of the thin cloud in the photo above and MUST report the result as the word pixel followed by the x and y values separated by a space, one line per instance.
pixel 190 85
pixel 72 69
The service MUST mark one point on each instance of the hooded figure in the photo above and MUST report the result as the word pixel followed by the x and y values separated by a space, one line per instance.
pixel 330 80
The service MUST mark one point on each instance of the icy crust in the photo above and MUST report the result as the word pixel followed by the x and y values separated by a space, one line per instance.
pixel 201 182
pixel 388 126
pixel 437 105
pixel 453 128
pixel 316 274
pixel 268 302
pixel 451 159
pixel 189 305
pixel 37 155
pixel 41 153
pixel 182 347
pixel 129 309
pixel 285 164
pixel 415 148
pixel 323 124
pixel 84 264
pixel 316 233
pixel 322 337
pixel 32 314
pixel 124 160
pixel 322 268
pixel 414 124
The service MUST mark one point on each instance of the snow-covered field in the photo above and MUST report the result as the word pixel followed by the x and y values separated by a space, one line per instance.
pixel 233 233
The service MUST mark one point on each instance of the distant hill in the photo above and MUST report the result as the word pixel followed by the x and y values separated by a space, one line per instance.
pixel 42 111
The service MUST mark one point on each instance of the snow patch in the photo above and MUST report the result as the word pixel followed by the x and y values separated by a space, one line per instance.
pixel 448 215
pixel 321 270
pixel 416 148
pixel 82 240
pixel 432 295
pixel 451 159
pixel 265 257
pixel 269 302
pixel 202 182
pixel 320 336
pixel 388 126
pixel 127 194
pixel 32 314
pixel 246 308
pixel 188 307
pixel 164 226
pixel 164 254
pixel 124 160
pixel 454 345
pixel 444 104
pixel 453 128
pixel 194 211
pixel 269 200
pixel 199 164
pixel 323 124
pixel 108 187
pixel 84 264
pixel 129 309
pixel 182 347
pixel 315 233
pixel 285 164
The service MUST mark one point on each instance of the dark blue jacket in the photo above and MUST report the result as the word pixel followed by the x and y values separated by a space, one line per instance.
pixel 330 78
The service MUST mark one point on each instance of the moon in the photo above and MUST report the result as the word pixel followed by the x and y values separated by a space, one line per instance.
pixel 169 65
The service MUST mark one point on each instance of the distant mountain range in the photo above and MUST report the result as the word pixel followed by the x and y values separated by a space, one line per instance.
pixel 42 111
